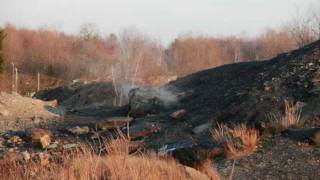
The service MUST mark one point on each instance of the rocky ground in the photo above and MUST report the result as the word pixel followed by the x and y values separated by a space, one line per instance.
pixel 178 117
pixel 275 158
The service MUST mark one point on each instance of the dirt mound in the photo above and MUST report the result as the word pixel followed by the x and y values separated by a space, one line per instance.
pixel 237 93
pixel 17 112
pixel 241 93
pixel 81 95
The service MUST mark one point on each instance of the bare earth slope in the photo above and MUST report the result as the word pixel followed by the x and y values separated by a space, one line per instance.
pixel 231 94
pixel 246 92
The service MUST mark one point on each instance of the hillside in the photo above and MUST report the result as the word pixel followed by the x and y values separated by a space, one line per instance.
pixel 178 118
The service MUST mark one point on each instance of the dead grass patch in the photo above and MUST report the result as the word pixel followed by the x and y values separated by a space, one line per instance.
pixel 237 142
pixel 116 164
pixel 290 119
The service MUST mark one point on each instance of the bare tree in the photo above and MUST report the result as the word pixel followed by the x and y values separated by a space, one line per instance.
pixel 302 27
pixel 315 19
pixel 89 31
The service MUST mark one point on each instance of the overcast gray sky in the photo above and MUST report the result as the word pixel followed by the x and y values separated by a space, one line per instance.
pixel 162 19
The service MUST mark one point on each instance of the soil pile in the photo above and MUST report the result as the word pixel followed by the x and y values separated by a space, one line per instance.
pixel 242 93
pixel 18 112
pixel 79 95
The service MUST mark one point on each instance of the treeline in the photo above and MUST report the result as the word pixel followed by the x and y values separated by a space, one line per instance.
pixel 133 57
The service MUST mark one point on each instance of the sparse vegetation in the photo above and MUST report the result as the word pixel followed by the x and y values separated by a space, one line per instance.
pixel 290 119
pixel 237 142
pixel 117 164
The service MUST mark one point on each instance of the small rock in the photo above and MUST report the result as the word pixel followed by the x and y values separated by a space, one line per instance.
pixel 316 138
pixel 201 128
pixel 69 146
pixel 40 137
pixel 26 155
pixel 36 120
pixel 114 122
pixel 53 103
pixel 15 140
pixel 52 146
pixel 178 114
pixel 79 130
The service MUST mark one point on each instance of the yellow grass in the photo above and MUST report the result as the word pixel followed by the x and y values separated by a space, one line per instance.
pixel 239 141
pixel 117 164
pixel 290 119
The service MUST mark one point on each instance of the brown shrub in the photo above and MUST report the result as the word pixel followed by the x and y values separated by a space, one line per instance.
pixel 117 164
pixel 237 142
pixel 290 119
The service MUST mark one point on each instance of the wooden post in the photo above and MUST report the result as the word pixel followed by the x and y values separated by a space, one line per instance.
pixel 13 77
pixel 16 79
pixel 38 80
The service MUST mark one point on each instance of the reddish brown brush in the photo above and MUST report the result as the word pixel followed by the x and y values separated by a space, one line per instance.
pixel 290 119
pixel 237 142
pixel 117 164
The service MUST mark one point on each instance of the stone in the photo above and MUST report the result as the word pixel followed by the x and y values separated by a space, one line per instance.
pixel 316 138
pixel 113 123
pixel 40 137
pixel 178 114
pixel 52 146
pixel 26 155
pixel 36 120
pixel 53 103
pixel 143 129
pixel 79 130
pixel 69 146
pixel 15 140
pixel 201 128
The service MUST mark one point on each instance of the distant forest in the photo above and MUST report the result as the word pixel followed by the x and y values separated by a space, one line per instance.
pixel 132 56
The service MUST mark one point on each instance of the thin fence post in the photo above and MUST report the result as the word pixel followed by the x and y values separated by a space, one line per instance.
pixel 13 77
pixel 16 79
pixel 38 81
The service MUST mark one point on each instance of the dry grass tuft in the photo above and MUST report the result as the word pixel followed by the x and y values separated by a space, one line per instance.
pixel 290 119
pixel 220 133
pixel 237 142
pixel 117 164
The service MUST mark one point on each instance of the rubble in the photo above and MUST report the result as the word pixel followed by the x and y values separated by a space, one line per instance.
pixel 178 114
pixel 15 140
pixel 79 130
pixel 40 137
pixel 70 146
pixel 26 155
